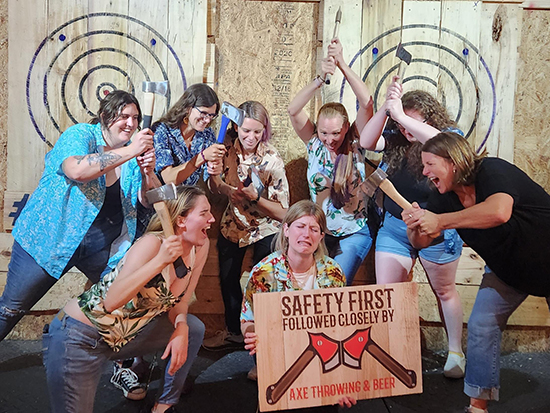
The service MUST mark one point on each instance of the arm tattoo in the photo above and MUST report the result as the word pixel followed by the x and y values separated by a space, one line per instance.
pixel 104 160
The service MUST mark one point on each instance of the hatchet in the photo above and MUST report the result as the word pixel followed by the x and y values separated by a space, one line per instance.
pixel 379 179
pixel 404 61
pixel 229 113
pixel 337 21
pixel 158 197
pixel 150 89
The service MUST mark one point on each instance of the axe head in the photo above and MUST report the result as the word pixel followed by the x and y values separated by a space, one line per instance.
pixel 232 113
pixel 160 88
pixel 163 193
pixel 403 55
pixel 373 182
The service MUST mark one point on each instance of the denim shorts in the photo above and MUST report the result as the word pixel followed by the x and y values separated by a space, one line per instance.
pixel 392 238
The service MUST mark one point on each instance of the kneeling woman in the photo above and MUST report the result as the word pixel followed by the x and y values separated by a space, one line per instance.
pixel 298 263
pixel 138 308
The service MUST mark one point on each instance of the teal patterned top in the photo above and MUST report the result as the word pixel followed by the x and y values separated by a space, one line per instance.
pixel 60 211
pixel 320 172
pixel 272 275
pixel 121 325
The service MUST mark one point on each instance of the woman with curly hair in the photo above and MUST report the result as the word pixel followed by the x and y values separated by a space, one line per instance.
pixel 415 118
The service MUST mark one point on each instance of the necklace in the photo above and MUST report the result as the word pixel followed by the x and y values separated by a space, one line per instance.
pixel 303 280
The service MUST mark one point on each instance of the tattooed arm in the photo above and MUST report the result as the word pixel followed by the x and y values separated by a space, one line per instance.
pixel 89 167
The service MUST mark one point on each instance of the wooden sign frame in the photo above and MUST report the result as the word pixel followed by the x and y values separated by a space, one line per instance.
pixel 311 345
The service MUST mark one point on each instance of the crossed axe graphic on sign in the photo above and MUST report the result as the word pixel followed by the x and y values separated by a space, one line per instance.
pixel 333 353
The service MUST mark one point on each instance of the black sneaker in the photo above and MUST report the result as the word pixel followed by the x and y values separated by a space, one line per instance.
pixel 127 381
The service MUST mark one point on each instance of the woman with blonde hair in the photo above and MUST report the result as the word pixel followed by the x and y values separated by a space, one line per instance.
pixel 298 263
pixel 414 119
pixel 255 183
pixel 138 308
pixel 336 163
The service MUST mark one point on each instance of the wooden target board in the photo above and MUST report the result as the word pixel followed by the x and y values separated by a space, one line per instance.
pixel 463 52
pixel 319 345
pixel 70 57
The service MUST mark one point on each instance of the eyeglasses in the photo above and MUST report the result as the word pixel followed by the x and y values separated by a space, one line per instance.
pixel 206 115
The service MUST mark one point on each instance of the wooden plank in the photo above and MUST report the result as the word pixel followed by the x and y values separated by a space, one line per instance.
pixel 536 4
pixel 532 312
pixel 25 149
pixel 14 201
pixel 499 41
pixel 284 324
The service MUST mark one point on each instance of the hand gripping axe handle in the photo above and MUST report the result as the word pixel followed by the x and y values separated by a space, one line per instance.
pixel 157 197
pixel 337 22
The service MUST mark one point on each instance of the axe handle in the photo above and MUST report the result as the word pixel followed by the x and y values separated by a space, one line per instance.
pixel 223 128
pixel 390 191
pixel 274 392
pixel 148 105
pixel 164 216
pixel 401 70
pixel 407 377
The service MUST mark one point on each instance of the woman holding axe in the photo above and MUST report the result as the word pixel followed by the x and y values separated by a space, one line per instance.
pixel 336 163
pixel 138 308
pixel 255 184
pixel 184 142
pixel 415 118
pixel 83 212
pixel 298 263
pixel 505 217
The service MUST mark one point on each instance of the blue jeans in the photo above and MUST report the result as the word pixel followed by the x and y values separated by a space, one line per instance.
pixel 349 251
pixel 27 282
pixel 74 357
pixel 495 303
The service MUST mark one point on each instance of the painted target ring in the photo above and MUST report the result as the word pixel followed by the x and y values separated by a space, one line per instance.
pixel 462 88
pixel 67 77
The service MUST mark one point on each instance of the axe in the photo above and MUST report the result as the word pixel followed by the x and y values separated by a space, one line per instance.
pixel 149 90
pixel 337 21
pixel 404 60
pixel 333 353
pixel 229 113
pixel 158 197
pixel 379 179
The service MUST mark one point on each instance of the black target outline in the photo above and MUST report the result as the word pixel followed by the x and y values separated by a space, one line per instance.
pixel 53 34
pixel 470 45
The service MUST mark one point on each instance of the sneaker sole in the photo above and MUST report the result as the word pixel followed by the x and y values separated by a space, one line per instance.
pixel 134 396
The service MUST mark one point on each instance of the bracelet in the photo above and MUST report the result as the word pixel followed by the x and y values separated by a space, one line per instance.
pixel 180 318
pixel 203 158
pixel 320 80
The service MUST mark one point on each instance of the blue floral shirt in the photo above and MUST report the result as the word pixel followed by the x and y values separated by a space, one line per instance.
pixel 171 150
pixel 320 171
pixel 59 213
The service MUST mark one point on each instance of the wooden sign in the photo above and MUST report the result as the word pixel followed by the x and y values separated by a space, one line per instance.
pixel 319 345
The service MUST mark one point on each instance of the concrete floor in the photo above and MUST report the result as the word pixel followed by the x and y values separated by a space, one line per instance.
pixel 221 386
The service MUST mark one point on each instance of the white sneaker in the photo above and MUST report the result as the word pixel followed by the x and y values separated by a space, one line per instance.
pixel 224 340
pixel 455 365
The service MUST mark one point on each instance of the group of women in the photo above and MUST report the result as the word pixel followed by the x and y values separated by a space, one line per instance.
pixel 94 182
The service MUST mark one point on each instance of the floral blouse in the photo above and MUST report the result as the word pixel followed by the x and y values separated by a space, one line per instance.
pixel 171 150
pixel 121 325
pixel 272 275
pixel 245 224
pixel 320 172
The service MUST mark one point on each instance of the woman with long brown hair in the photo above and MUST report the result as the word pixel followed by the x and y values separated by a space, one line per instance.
pixel 336 163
